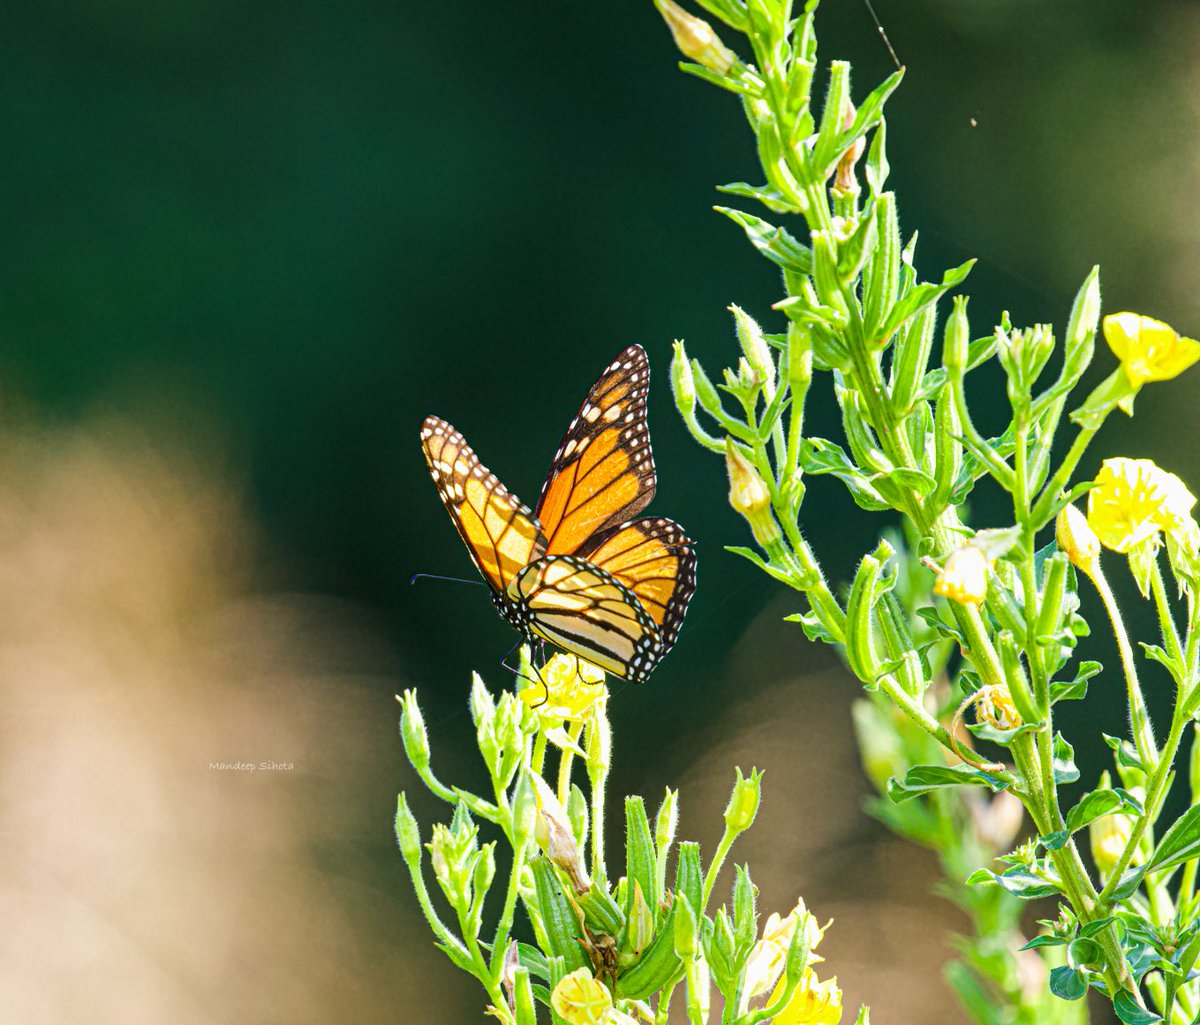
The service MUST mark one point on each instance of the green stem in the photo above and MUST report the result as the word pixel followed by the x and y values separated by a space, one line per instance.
pixel 1154 796
pixel 714 868
pixel 1166 620
pixel 508 913
pixel 1139 716
pixel 1045 502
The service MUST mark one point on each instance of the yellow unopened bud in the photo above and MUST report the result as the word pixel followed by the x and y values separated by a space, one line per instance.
pixel 1148 349
pixel 1108 836
pixel 696 38
pixel 964 578
pixel 749 496
pixel 580 999
pixel 1077 539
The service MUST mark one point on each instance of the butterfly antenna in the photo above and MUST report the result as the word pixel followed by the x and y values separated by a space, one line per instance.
pixel 883 35
pixel 453 580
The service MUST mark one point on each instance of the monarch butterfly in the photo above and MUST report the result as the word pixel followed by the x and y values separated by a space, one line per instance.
pixel 581 572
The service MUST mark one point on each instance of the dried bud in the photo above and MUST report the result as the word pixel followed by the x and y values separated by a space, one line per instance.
pixel 556 837
pixel 696 39
pixel 749 496
pixel 845 181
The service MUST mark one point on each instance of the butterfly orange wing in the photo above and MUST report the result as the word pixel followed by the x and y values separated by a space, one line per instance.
pixel 654 559
pixel 603 471
pixel 581 608
pixel 500 532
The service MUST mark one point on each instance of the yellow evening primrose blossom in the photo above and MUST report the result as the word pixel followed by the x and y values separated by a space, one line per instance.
pixel 813 1003
pixel 567 689
pixel 964 578
pixel 1133 500
pixel 1148 349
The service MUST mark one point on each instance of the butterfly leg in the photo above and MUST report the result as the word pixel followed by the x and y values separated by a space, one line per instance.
pixel 520 674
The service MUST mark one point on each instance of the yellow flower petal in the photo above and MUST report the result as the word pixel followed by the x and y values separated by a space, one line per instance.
pixel 1133 500
pixel 964 578
pixel 580 999
pixel 567 688
pixel 813 1003
pixel 1148 349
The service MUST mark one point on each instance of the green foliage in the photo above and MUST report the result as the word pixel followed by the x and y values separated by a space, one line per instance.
pixel 990 614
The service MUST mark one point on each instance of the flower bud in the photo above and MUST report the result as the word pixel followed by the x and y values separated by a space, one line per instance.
pixel 683 383
pixel 1108 836
pixel 665 821
pixel 749 496
pixel 554 835
pixel 744 801
pixel 754 345
pixel 524 810
pixel 408 833
pixel 1075 537
pixel 964 578
pixel 641 922
pixel 412 731
pixel 696 39
pixel 957 339
pixel 844 180
pixel 685 928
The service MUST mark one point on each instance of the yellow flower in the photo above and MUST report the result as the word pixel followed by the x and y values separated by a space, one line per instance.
pixel 769 955
pixel 1133 500
pixel 1148 349
pixel 964 578
pixel 581 999
pixel 750 496
pixel 1076 537
pixel 567 688
pixel 813 1003
pixel 994 706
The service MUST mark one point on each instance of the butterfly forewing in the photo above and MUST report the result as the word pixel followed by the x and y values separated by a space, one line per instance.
pixel 654 558
pixel 586 611
pixel 499 531
pixel 603 471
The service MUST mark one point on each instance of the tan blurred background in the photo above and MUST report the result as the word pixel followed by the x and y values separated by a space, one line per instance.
pixel 248 249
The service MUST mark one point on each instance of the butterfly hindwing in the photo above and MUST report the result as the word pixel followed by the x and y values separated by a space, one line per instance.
pixel 500 532
pixel 603 472
pixel 655 559
pixel 585 610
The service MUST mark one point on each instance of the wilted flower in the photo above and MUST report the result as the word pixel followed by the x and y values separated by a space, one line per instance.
pixel 1133 500
pixel 749 495
pixel 1148 349
pixel 769 955
pixel 964 578
pixel 556 838
pixel 994 706
pixel 581 999
pixel 813 1003
pixel 567 688
pixel 1076 538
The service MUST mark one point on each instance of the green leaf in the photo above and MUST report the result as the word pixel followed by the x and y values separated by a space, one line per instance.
pixel 1073 690
pixel 1017 881
pixel 1064 761
pixel 921 296
pixel 774 243
pixel 917 481
pixel 1180 843
pixel 1129 883
pixel 921 779
pixel 1093 806
pixel 772 199
pixel 818 455
pixel 813 628
pixel 1131 1012
pixel 1045 941
pixel 1066 983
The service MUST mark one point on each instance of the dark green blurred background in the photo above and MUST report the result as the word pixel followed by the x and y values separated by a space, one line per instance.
pixel 284 233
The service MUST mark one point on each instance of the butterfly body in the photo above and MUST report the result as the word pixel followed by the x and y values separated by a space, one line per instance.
pixel 584 572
